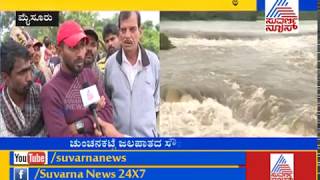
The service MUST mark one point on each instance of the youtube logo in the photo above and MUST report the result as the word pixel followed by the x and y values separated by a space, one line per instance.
pixel 36 158
pixel 30 158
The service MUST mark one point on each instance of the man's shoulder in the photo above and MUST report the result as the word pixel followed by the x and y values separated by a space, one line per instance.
pixel 90 75
pixel 51 85
pixel 113 57
pixel 112 60
pixel 88 72
pixel 150 53
pixel 153 57
pixel 47 88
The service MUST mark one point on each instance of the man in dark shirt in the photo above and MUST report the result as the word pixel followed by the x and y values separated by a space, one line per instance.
pixel 38 76
pixel 91 55
pixel 63 111
pixel 110 35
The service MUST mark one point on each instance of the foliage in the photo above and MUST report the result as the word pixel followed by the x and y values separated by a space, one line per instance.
pixel 150 38
pixel 6 19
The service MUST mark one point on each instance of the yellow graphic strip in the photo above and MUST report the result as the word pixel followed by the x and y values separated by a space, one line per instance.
pixel 141 5
pixel 4 164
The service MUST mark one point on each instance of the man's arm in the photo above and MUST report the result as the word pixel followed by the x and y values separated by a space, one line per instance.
pixel 53 113
pixel 105 112
pixel 157 89
pixel 108 130
pixel 107 87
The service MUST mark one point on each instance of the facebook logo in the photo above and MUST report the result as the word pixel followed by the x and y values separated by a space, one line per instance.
pixel 21 174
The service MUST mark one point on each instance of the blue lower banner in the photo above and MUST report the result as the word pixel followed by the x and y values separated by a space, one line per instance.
pixel 159 158
pixel 128 173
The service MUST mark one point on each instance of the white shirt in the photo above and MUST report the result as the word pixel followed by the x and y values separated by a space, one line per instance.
pixel 131 70
pixel 3 129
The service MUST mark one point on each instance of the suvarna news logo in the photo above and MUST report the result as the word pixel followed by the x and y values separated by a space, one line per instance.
pixel 281 167
pixel 282 16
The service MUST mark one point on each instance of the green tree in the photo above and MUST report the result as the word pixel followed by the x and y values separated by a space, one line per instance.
pixel 6 19
pixel 147 25
pixel 85 19
pixel 150 38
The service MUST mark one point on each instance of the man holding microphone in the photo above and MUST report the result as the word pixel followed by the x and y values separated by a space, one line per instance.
pixel 62 103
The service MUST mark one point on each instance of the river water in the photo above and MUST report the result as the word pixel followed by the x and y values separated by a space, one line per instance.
pixel 231 79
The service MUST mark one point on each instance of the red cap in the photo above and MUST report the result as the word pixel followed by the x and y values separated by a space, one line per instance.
pixel 70 33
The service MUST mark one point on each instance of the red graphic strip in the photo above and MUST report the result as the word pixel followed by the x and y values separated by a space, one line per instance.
pixel 258 165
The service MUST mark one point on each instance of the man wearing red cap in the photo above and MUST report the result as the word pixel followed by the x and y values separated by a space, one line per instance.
pixel 38 76
pixel 38 62
pixel 63 111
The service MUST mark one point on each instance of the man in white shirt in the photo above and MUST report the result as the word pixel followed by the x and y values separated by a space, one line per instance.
pixel 131 70
pixel 132 80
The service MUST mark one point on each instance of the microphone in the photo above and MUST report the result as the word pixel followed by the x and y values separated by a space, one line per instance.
pixel 89 98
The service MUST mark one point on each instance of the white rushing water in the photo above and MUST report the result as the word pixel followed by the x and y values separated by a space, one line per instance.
pixel 227 78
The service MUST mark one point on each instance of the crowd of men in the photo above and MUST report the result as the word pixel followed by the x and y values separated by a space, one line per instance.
pixel 41 96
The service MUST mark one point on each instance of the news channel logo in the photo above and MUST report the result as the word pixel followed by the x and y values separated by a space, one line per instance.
pixel 282 16
pixel 21 174
pixel 30 157
pixel 281 166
